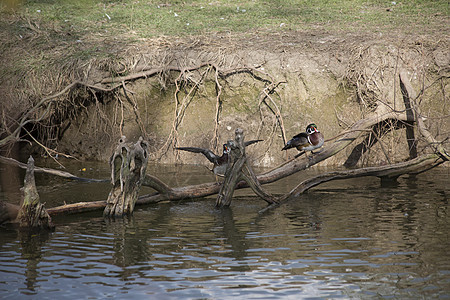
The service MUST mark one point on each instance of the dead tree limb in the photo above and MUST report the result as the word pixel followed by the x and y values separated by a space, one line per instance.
pixel 414 166
pixel 157 184
pixel 79 207
pixel 389 171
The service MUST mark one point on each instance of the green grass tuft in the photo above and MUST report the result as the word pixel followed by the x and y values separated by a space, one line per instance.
pixel 146 19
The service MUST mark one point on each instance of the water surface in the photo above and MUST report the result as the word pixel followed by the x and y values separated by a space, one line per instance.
pixel 344 239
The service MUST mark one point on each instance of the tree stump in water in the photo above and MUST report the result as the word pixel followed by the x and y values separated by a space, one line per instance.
pixel 237 170
pixel 128 165
pixel 32 213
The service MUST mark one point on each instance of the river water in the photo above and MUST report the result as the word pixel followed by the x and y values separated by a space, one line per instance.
pixel 344 239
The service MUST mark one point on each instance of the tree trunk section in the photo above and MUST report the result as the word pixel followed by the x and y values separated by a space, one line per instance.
pixel 32 214
pixel 128 166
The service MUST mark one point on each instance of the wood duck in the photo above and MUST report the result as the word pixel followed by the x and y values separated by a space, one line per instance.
pixel 306 141
pixel 220 162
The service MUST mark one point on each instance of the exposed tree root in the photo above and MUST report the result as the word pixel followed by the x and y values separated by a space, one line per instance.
pixel 181 106
pixel 43 112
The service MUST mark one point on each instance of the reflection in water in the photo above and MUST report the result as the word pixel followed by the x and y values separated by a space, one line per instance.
pixel 352 238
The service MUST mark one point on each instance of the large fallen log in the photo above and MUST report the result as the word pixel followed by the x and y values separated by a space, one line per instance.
pixel 417 165
pixel 388 172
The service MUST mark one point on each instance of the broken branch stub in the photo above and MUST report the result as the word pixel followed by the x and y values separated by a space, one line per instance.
pixel 237 170
pixel 32 213
pixel 128 166
pixel 410 96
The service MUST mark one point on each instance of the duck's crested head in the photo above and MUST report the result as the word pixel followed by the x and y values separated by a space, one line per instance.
pixel 311 128
pixel 226 149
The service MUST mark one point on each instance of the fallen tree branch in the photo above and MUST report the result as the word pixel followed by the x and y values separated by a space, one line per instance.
pixel 414 166
pixel 13 162
pixel 389 171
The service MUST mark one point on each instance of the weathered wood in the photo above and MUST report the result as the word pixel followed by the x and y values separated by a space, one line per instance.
pixel 207 189
pixel 232 176
pixel 237 170
pixel 388 171
pixel 414 166
pixel 418 165
pixel 128 166
pixel 410 116
pixel 157 184
pixel 236 160
pixel 79 207
pixel 32 213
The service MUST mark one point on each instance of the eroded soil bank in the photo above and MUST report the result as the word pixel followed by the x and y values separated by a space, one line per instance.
pixel 197 91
